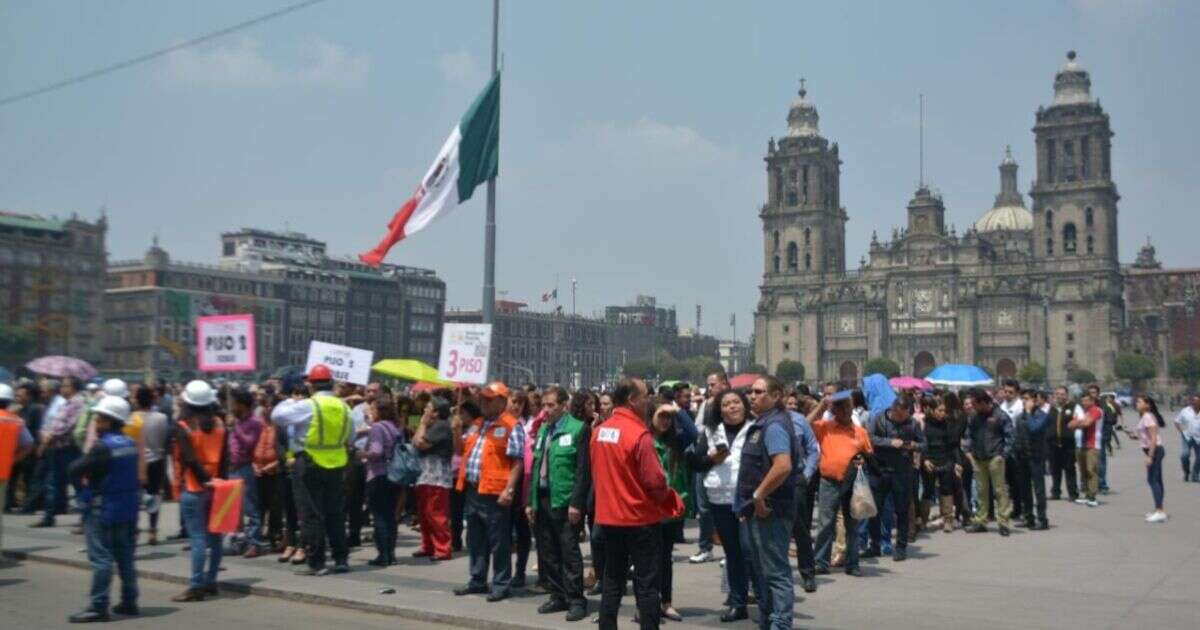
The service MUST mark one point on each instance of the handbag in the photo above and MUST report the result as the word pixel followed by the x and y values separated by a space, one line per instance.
pixel 404 468
pixel 862 502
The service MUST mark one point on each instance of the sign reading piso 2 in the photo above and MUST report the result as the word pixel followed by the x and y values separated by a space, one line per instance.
pixel 465 351
pixel 225 343
pixel 352 365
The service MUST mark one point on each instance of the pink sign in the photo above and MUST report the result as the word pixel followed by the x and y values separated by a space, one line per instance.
pixel 225 343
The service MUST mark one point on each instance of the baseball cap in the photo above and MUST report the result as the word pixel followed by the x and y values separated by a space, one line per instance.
pixel 495 389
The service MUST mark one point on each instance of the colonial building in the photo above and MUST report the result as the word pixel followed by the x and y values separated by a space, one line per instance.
pixel 52 283
pixel 1039 283
pixel 1162 310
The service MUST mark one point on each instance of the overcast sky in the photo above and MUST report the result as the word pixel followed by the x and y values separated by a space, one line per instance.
pixel 632 133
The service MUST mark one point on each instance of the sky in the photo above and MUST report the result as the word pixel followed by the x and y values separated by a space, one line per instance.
pixel 632 133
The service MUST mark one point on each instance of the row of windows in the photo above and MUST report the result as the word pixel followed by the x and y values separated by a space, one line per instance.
pixel 423 291
pixel 1072 167
pixel 423 308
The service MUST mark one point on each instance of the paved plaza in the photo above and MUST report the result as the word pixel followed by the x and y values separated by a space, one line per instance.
pixel 1095 568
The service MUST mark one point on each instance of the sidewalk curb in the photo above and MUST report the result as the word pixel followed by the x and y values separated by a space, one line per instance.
pixel 405 612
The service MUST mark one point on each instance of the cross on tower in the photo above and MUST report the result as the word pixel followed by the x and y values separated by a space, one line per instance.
pixel 802 90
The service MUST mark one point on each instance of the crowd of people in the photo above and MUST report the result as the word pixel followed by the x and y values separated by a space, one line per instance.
pixel 514 474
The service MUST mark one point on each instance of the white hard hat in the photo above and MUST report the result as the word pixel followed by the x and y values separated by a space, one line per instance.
pixel 199 394
pixel 115 387
pixel 113 407
pixel 6 392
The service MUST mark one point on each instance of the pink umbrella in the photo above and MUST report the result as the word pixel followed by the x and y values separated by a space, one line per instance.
pixel 743 380
pixel 910 382
pixel 59 366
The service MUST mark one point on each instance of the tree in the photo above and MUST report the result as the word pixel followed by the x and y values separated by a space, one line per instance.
pixel 639 368
pixel 1186 367
pixel 1134 368
pixel 1080 375
pixel 756 368
pixel 882 365
pixel 15 342
pixel 700 367
pixel 790 371
pixel 1033 372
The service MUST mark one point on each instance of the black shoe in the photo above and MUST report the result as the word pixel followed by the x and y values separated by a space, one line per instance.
pixel 977 528
pixel 871 552
pixel 379 561
pixel 470 590
pixel 211 590
pixel 312 571
pixel 497 596
pixel 809 583
pixel 1055 497
pixel 1042 525
pixel 1030 523
pixel 854 571
pixel 48 522
pixel 341 568
pixel 899 554
pixel 820 570
pixel 1004 531
pixel 734 613
pixel 518 582
pixel 90 615
pixel 353 543
pixel 552 606
pixel 125 609
pixel 577 612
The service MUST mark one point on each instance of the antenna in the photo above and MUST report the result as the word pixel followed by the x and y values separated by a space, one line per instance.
pixel 921 180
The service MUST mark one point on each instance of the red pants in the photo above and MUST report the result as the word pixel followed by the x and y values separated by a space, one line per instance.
pixel 433 511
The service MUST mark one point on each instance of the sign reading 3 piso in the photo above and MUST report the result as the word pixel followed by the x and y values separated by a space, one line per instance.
pixel 225 343
pixel 352 365
pixel 465 351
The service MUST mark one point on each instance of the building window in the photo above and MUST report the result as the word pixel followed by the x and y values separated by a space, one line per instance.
pixel 776 263
pixel 791 197
pixel 786 329
pixel 807 236
pixel 1049 247
pixel 1070 337
pixel 1050 172
pixel 1070 355
pixel 1070 318
pixel 1088 217
pixel 1085 150
pixel 793 254
pixel 807 261
pixel 804 184
pixel 229 248
pixel 1049 219
pixel 1090 244
pixel 787 347
pixel 1069 238
pixel 1068 165
pixel 775 240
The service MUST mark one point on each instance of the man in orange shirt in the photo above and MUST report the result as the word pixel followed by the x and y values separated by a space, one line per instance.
pixel 843 447
pixel 493 458
pixel 15 442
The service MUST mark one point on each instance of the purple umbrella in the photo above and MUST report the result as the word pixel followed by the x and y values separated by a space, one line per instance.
pixel 910 382
pixel 60 366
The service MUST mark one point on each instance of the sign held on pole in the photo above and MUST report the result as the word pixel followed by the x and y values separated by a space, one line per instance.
pixel 225 343
pixel 465 352
pixel 352 365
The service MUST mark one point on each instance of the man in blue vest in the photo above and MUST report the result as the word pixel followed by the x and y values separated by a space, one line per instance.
pixel 108 474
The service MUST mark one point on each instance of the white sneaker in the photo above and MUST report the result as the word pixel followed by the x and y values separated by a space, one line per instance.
pixel 722 563
pixel 1081 501
pixel 1157 517
pixel 702 557
pixel 1093 503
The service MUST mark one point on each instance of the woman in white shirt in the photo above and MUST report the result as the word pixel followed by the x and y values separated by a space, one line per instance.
pixel 716 456
pixel 1150 435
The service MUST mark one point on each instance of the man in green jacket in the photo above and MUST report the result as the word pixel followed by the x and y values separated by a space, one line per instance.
pixel 558 490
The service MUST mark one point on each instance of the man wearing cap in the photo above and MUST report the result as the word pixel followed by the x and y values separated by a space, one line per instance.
pixel 492 462
pixel 325 423
pixel 844 447
pixel 108 474
pixel 16 442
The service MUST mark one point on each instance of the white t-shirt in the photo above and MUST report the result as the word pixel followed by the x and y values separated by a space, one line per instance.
pixel 1189 422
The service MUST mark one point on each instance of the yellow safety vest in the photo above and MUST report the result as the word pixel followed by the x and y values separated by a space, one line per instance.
pixel 328 432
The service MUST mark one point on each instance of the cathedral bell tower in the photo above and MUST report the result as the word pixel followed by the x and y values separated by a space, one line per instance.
pixel 1074 197
pixel 804 225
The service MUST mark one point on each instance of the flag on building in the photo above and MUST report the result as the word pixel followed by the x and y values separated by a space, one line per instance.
pixel 550 295
pixel 469 157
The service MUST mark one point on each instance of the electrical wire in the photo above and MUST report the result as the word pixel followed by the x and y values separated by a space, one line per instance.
pixel 121 65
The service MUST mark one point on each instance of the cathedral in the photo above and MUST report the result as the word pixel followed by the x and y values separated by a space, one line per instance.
pixel 1026 283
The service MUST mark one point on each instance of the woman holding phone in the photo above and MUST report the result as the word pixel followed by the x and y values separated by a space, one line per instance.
pixel 1149 433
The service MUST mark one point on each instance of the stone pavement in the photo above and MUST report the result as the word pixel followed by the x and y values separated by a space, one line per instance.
pixel 1095 568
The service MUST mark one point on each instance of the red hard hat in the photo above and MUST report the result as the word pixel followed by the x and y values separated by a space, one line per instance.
pixel 320 372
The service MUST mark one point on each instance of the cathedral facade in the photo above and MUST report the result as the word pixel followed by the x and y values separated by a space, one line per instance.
pixel 1039 283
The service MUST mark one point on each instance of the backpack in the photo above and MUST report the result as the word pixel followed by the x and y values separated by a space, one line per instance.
pixel 404 468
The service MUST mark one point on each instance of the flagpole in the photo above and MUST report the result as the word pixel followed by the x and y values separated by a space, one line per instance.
pixel 489 240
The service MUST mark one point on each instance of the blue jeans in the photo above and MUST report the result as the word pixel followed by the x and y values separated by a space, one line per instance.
pixel 703 514
pixel 195 506
pixel 767 540
pixel 737 565
pixel 831 497
pixel 1189 456
pixel 108 544
pixel 253 529
pixel 1154 475
pixel 56 482
pixel 489 540
pixel 1103 469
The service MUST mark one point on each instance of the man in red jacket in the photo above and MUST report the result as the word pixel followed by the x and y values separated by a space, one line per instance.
pixel 632 497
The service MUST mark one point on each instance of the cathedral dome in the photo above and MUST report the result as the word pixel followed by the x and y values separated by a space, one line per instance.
pixel 1009 218
pixel 802 117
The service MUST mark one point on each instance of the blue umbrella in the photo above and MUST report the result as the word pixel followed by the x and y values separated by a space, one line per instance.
pixel 956 375
pixel 5 375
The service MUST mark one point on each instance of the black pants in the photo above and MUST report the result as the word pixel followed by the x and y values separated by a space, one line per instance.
pixel 671 532
pixel 802 528
pixel 356 491
pixel 22 471
pixel 1014 466
pixel 489 540
pixel 1031 485
pixel 639 545
pixel 898 485
pixel 291 515
pixel 156 486
pixel 270 504
pixel 382 495
pixel 946 482
pixel 596 542
pixel 457 499
pixel 524 538
pixel 1062 464
pixel 560 562
pixel 322 507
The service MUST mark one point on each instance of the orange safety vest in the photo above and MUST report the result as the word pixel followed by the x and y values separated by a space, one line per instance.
pixel 494 462
pixel 10 436
pixel 207 448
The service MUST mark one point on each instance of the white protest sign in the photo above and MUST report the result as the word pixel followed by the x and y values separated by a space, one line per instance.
pixel 465 351
pixel 225 343
pixel 352 365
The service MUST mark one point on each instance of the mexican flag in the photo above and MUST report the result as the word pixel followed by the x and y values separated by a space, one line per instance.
pixel 468 158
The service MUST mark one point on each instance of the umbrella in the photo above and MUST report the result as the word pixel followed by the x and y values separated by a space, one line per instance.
pixel 670 384
pixel 430 387
pixel 5 376
pixel 60 366
pixel 743 380
pixel 910 382
pixel 409 370
pixel 955 375
pixel 288 370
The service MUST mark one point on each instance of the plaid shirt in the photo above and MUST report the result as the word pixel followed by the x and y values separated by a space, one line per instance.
pixel 514 450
